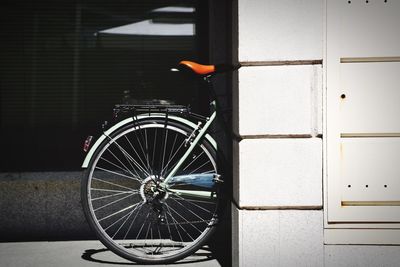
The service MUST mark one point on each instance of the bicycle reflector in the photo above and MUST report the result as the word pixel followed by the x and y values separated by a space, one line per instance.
pixel 86 145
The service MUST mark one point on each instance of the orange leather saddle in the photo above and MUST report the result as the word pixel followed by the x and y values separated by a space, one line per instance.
pixel 198 68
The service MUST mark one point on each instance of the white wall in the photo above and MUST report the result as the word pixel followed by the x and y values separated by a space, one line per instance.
pixel 277 209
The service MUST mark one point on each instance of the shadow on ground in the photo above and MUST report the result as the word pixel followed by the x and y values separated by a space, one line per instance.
pixel 99 256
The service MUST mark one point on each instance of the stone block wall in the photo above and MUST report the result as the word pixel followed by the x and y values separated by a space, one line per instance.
pixel 277 210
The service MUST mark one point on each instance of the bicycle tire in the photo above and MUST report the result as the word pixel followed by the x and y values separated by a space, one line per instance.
pixel 118 195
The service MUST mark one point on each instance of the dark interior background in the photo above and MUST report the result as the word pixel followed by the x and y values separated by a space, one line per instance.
pixel 64 64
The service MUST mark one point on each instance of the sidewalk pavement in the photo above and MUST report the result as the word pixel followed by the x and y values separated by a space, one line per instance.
pixel 81 253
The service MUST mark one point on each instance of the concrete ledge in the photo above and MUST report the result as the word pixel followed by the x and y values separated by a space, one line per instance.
pixel 41 206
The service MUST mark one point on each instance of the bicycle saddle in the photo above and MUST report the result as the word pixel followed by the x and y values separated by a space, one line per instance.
pixel 198 68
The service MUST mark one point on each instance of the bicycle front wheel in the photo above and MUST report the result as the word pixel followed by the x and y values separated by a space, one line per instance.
pixel 133 210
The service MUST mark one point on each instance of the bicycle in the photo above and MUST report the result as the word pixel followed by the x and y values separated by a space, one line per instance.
pixel 151 190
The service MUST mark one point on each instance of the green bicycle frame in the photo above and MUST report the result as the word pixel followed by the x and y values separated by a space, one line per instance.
pixel 191 147
pixel 202 132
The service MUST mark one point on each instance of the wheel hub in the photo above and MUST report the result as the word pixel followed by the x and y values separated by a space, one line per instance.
pixel 151 191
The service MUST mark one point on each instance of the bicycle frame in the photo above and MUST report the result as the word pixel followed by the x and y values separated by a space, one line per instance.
pixel 155 169
pixel 207 180
pixel 193 144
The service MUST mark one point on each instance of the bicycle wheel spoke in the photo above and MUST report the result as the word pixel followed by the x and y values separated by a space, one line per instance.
pixel 196 205
pixel 139 141
pixel 188 222
pixel 119 174
pixel 165 171
pixel 126 169
pixel 113 202
pixel 169 228
pixel 129 158
pixel 110 183
pixel 133 148
pixel 194 171
pixel 141 228
pixel 112 195
pixel 134 219
pixel 173 218
pixel 147 233
pixel 118 212
pixel 115 165
pixel 117 221
pixel 170 153
pixel 147 155
pixel 147 148
pixel 110 190
pixel 206 172
pixel 176 223
pixel 154 147
pixel 163 154
pixel 192 200
pixel 194 160
pixel 130 214
pixel 191 211
pixel 159 235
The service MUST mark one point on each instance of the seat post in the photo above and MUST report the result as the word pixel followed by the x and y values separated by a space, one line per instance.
pixel 209 84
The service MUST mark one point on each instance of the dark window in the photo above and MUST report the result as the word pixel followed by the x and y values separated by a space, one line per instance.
pixel 64 64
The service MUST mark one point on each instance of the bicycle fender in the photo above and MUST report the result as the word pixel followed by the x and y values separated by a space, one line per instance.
pixel 140 117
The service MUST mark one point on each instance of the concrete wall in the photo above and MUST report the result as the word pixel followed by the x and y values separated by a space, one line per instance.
pixel 277 211
pixel 41 206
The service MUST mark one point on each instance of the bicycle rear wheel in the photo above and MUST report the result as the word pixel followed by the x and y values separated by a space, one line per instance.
pixel 130 208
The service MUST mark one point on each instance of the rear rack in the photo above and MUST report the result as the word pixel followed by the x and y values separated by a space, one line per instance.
pixel 133 110
pixel 128 108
